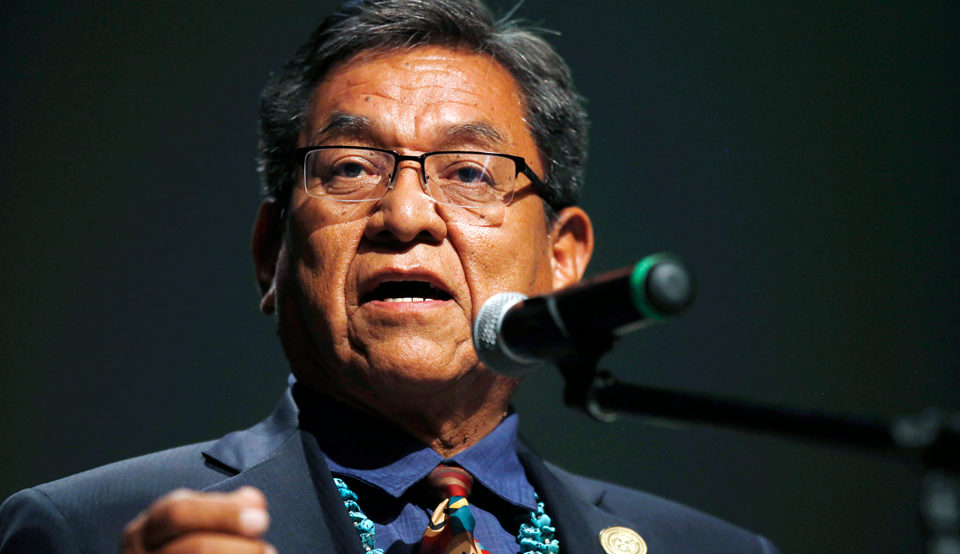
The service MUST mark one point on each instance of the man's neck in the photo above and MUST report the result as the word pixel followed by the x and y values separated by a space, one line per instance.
pixel 448 423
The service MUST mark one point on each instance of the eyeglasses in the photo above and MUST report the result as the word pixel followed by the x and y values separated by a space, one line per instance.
pixel 452 178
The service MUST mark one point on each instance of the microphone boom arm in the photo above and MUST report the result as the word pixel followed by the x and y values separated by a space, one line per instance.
pixel 931 436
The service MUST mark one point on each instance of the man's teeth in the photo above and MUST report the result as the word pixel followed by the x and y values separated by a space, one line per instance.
pixel 406 291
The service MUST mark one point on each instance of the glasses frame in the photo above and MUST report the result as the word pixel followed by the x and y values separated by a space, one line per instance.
pixel 519 162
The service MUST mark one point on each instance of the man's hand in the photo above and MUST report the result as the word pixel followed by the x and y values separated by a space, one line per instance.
pixel 188 521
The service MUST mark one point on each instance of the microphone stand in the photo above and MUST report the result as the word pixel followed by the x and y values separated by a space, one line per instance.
pixel 930 437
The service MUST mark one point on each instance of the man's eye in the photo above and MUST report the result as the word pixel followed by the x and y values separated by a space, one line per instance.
pixel 468 175
pixel 350 170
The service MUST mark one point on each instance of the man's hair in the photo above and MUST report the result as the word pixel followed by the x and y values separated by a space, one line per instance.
pixel 554 112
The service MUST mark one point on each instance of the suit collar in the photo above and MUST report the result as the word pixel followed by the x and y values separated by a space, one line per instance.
pixel 295 478
pixel 287 466
pixel 240 450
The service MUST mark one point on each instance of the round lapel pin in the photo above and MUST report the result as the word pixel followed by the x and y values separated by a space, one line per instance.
pixel 621 540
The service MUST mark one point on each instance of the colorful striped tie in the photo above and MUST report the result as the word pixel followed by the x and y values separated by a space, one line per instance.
pixel 451 525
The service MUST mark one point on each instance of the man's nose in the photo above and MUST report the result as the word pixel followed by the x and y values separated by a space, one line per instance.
pixel 406 211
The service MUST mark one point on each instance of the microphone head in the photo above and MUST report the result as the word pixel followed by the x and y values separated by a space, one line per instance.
pixel 661 286
pixel 492 349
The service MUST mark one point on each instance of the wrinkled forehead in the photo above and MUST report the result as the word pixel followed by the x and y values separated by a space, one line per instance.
pixel 435 85
pixel 430 59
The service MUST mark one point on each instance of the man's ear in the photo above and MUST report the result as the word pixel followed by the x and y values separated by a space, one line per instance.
pixel 266 242
pixel 572 246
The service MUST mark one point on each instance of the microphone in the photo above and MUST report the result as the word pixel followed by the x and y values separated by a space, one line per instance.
pixel 514 334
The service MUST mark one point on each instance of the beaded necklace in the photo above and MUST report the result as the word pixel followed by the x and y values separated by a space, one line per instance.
pixel 534 537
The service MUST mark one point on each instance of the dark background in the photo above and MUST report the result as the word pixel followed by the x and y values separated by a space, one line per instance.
pixel 802 158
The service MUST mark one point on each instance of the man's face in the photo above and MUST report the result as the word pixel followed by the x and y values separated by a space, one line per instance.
pixel 378 300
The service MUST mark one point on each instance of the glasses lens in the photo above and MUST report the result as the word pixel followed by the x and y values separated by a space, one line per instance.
pixel 346 174
pixel 470 180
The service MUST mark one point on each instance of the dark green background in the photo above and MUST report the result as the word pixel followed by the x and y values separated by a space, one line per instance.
pixel 802 158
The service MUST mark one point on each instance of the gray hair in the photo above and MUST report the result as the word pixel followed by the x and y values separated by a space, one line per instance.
pixel 554 111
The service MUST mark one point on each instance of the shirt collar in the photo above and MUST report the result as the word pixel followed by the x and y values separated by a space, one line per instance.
pixel 384 456
pixel 493 461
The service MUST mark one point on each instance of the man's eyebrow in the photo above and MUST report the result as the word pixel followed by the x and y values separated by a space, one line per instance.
pixel 344 125
pixel 477 133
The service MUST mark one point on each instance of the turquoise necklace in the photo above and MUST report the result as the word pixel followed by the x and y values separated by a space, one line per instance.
pixel 534 537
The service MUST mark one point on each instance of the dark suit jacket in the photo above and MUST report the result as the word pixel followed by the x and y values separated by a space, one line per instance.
pixel 87 512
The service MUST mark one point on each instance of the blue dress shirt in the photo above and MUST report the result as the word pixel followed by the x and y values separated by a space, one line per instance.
pixel 385 467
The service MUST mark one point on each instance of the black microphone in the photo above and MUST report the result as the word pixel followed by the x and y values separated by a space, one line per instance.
pixel 514 335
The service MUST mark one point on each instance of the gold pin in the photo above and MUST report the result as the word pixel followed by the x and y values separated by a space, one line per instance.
pixel 620 540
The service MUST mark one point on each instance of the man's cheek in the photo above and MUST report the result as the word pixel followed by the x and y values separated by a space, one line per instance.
pixel 490 279
pixel 322 292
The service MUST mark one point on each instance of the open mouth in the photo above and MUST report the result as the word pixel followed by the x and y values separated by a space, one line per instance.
pixel 405 291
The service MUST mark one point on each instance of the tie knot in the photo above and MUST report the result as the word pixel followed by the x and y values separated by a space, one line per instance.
pixel 451 481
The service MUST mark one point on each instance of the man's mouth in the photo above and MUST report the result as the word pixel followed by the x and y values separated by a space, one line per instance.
pixel 405 291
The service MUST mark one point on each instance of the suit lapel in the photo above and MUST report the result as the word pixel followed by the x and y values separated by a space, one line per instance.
pixel 578 522
pixel 285 463
pixel 306 513
pixel 338 523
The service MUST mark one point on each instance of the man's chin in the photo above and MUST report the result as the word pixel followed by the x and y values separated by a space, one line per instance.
pixel 406 377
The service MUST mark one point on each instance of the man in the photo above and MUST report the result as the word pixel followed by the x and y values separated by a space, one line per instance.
pixel 418 158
